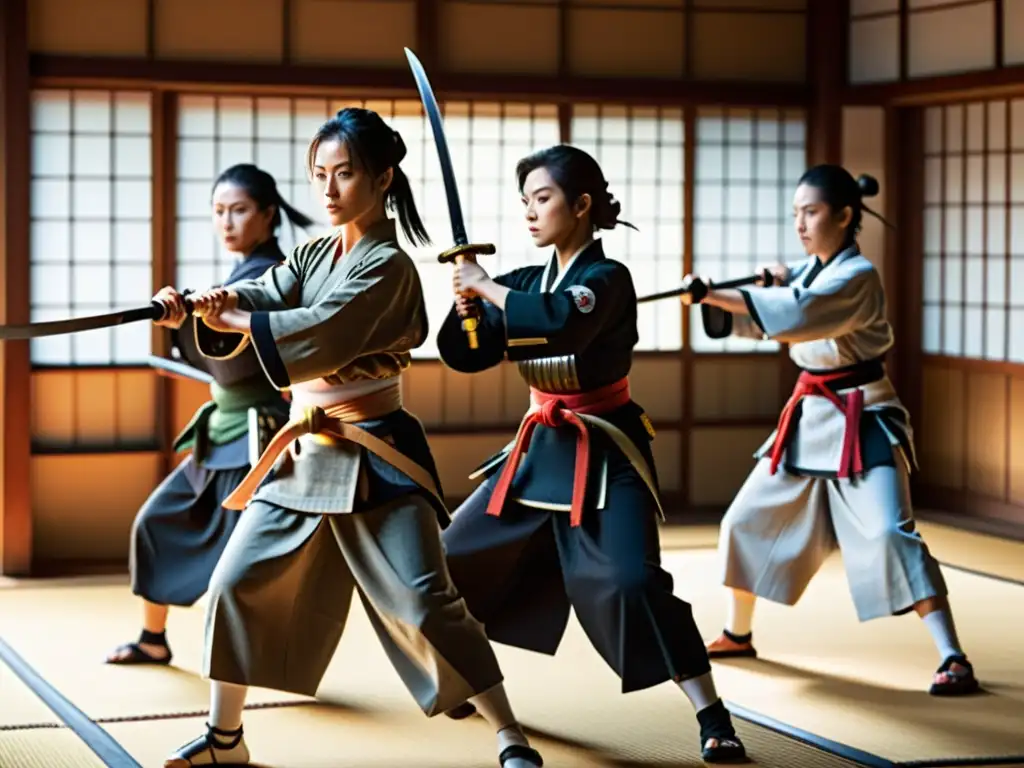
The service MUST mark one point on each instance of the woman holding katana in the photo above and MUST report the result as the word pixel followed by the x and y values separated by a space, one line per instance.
pixel 835 472
pixel 346 497
pixel 568 515
pixel 181 530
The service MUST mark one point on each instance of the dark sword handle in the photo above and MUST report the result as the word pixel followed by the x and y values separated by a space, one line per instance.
pixel 698 290
pixel 158 312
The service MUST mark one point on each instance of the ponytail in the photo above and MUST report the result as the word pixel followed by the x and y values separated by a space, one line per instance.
pixel 296 217
pixel 400 199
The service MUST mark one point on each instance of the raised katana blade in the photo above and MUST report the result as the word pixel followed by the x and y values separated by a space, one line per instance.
pixel 447 173
pixel 150 312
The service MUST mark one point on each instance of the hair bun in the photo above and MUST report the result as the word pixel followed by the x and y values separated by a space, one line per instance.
pixel 868 185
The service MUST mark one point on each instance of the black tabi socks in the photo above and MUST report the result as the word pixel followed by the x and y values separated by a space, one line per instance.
pixel 739 639
pixel 153 638
pixel 715 723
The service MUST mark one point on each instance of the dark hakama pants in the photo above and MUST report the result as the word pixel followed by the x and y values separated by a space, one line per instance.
pixel 521 572
pixel 180 532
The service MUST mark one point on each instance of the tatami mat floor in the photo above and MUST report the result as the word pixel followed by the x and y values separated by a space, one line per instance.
pixel 862 685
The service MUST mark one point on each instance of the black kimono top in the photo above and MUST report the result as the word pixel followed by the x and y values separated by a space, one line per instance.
pixel 574 336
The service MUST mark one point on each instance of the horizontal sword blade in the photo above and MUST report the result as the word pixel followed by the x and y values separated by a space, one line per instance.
pixel 150 312
pixel 451 189
pixel 178 368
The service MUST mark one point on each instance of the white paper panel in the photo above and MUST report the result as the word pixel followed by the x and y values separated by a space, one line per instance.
pixel 91 212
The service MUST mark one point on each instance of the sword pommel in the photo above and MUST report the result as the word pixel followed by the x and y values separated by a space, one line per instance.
pixel 470 249
pixel 469 325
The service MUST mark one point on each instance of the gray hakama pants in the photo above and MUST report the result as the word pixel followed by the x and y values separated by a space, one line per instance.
pixel 280 596
pixel 780 529
pixel 180 532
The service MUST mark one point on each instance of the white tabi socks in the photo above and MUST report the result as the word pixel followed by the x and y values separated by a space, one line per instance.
pixel 700 691
pixel 741 613
pixel 227 701
pixel 493 706
pixel 943 632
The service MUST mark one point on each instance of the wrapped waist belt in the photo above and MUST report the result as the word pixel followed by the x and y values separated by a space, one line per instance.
pixel 578 411
pixel 851 404
pixel 335 423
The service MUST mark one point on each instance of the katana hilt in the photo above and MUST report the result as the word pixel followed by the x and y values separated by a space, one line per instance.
pixel 469 249
pixel 159 311
pixel 470 319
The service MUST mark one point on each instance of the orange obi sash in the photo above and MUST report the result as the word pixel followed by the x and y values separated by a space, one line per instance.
pixel 331 424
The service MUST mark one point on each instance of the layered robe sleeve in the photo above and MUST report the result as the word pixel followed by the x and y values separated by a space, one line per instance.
pixel 366 313
pixel 213 345
pixel 276 288
pixel 720 324
pixel 453 343
pixel 840 301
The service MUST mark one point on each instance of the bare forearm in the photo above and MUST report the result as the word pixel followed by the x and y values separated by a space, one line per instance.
pixel 494 293
pixel 728 300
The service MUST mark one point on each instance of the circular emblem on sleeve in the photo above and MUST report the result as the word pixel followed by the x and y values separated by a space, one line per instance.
pixel 583 297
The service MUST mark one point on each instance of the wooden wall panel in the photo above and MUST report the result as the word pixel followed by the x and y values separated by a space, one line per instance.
pixel 720 460
pixel 421 385
pixel 245 30
pixel 93 28
pixel 667 448
pixel 941 429
pixel 624 42
pixel 865 7
pixel 864 152
pixel 185 399
pixel 84 504
pixel 1015 434
pixel 478 37
pixel 985 454
pixel 750 46
pixel 458 455
pixel 351 31
pixel 94 408
pixel 446 399
pixel 656 383
pixel 970 439
pixel 745 388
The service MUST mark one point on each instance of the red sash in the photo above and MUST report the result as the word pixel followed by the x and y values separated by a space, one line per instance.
pixel 851 404
pixel 551 410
